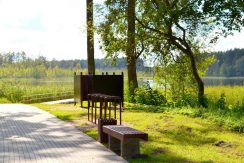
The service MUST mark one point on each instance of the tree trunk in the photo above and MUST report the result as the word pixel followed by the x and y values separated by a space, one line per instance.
pixel 197 78
pixel 90 37
pixel 132 76
pixel 130 50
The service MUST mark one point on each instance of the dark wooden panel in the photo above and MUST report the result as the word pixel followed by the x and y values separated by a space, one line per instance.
pixel 110 85
pixel 104 84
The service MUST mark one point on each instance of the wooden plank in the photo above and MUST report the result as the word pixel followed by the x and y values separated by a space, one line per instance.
pixel 123 132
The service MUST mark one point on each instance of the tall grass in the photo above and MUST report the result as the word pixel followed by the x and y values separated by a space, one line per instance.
pixel 225 107
pixel 14 90
pixel 234 95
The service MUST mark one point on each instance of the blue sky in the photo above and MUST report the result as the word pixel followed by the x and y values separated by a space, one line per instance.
pixel 56 29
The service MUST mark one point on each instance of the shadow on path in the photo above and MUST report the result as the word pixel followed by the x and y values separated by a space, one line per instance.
pixel 33 134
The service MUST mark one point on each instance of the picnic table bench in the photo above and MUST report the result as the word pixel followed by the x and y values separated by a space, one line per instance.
pixel 124 140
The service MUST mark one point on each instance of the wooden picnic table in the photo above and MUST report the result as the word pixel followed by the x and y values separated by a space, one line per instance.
pixel 107 105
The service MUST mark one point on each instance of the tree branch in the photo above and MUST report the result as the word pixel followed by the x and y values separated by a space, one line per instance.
pixel 152 29
pixel 141 51
pixel 183 30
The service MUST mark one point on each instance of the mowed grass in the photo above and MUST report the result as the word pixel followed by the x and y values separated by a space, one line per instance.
pixel 172 137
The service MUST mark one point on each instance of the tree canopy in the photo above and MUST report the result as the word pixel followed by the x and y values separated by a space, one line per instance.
pixel 172 28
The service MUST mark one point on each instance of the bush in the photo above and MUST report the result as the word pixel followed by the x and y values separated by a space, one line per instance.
pixel 221 103
pixel 148 96
pixel 4 100
pixel 187 100
pixel 13 93
pixel 127 96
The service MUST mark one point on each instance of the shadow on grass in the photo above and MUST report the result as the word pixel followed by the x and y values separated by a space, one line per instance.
pixel 163 154
pixel 159 155
pixel 68 115
pixel 186 136
pixel 158 147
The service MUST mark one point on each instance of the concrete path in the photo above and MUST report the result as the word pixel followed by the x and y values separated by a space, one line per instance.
pixel 29 134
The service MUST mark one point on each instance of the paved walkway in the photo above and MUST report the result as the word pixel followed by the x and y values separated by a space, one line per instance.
pixel 29 134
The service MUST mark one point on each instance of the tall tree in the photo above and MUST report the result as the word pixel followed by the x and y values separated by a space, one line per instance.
pixel 171 28
pixel 90 36
pixel 120 35
pixel 182 26
pixel 130 49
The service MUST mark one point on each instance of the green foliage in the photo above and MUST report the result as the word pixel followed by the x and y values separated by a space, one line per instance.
pixel 234 95
pixel 11 92
pixel 4 100
pixel 187 100
pixel 128 97
pixel 225 106
pixel 15 90
pixel 169 30
pixel 221 103
pixel 149 96
pixel 231 119
pixel 177 80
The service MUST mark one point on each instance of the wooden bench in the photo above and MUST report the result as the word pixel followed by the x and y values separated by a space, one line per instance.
pixel 124 140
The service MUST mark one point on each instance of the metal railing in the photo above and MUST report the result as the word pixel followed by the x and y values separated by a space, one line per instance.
pixel 46 97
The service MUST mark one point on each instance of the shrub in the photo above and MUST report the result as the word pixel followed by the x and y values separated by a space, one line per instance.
pixel 13 93
pixel 221 103
pixel 4 100
pixel 187 100
pixel 127 96
pixel 148 96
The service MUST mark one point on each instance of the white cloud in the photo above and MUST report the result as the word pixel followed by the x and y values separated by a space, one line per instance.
pixel 53 28
pixel 56 29
pixel 231 42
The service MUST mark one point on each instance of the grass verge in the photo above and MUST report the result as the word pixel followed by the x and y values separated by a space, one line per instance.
pixel 173 137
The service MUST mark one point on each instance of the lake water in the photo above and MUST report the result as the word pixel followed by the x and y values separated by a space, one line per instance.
pixel 209 81
pixel 224 81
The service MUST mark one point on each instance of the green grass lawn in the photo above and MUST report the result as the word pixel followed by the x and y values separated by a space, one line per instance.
pixel 173 137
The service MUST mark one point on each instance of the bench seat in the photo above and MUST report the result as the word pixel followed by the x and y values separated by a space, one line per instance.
pixel 124 140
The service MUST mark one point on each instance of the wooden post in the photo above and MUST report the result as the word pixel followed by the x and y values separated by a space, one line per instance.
pixel 96 98
pixel 109 108
pixel 88 100
pixel 74 88
pixel 120 113
pixel 81 102
pixel 115 108
pixel 92 108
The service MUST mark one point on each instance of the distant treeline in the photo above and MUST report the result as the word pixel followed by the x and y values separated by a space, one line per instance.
pixel 120 63
pixel 20 59
pixel 18 65
pixel 229 63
